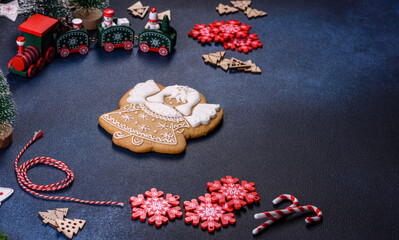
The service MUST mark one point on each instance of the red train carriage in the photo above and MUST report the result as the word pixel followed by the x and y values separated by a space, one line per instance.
pixel 38 37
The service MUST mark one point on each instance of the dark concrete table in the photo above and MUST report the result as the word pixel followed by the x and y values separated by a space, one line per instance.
pixel 320 122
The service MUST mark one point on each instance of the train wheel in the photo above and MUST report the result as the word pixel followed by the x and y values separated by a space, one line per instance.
pixel 64 52
pixel 9 65
pixel 83 49
pixel 144 47
pixel 41 63
pixel 50 55
pixel 32 70
pixel 109 47
pixel 128 45
pixel 163 51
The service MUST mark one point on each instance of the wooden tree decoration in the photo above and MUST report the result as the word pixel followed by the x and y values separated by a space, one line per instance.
pixel 225 9
pixel 213 58
pixel 254 13
pixel 51 216
pixel 242 5
pixel 8 113
pixel 70 227
pixel 138 10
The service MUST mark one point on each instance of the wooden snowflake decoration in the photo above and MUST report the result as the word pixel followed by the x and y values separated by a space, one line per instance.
pixel 229 191
pixel 155 207
pixel 212 215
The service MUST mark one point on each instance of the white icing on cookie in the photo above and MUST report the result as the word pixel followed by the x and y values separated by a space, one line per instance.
pixel 202 114
pixel 163 109
pixel 141 91
pixel 182 94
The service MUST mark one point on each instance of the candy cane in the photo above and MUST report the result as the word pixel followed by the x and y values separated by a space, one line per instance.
pixel 305 208
pixel 272 218
pixel 28 186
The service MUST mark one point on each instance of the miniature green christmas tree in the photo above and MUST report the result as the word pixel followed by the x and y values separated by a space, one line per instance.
pixel 8 112
pixel 90 11
pixel 165 24
pixel 51 8
pixel 3 236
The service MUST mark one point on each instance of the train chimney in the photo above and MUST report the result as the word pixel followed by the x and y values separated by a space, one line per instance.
pixel 21 45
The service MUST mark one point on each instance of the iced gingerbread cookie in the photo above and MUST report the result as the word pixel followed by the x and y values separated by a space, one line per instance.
pixel 160 119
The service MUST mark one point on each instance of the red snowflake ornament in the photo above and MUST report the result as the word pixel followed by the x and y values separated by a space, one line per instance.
pixel 231 29
pixel 202 33
pixel 211 214
pixel 156 207
pixel 219 31
pixel 244 44
pixel 229 192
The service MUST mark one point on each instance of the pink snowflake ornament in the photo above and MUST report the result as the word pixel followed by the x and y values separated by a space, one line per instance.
pixel 156 207
pixel 211 214
pixel 230 193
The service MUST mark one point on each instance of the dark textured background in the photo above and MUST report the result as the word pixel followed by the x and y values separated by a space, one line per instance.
pixel 321 122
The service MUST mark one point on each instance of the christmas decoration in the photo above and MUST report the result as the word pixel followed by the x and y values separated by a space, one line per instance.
pixel 232 33
pixel 254 13
pixel 155 207
pixel 138 10
pixel 271 220
pixel 243 44
pixel 211 214
pixel 242 5
pixel 8 113
pixel 228 190
pixel 293 208
pixel 70 227
pixel 225 9
pixel 9 10
pixel 219 31
pixel 218 59
pixel 161 15
pixel 90 11
pixel 111 36
pixel 50 8
pixel 56 218
pixel 3 236
pixel 152 20
pixel 51 216
pixel 5 193
pixel 30 187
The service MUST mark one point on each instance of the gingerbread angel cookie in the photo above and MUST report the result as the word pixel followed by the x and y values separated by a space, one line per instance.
pixel 160 119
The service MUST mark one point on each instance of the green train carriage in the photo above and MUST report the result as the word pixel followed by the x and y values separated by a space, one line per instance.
pixel 162 41
pixel 73 41
pixel 116 36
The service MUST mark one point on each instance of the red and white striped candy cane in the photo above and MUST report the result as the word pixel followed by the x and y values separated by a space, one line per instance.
pixel 28 186
pixel 272 218
pixel 305 208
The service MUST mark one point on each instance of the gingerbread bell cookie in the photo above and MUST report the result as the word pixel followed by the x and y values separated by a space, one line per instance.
pixel 155 118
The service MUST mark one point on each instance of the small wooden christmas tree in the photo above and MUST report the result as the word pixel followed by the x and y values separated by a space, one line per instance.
pixel 70 227
pixel 8 113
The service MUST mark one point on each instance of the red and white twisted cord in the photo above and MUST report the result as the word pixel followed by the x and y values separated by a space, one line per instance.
pixel 271 217
pixel 305 208
pixel 30 187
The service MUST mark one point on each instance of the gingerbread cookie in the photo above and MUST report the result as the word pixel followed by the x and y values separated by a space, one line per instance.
pixel 154 118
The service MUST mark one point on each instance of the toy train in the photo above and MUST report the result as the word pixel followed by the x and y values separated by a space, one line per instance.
pixel 43 39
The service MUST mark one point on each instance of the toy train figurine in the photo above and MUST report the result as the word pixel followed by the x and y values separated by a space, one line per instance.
pixel 45 36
